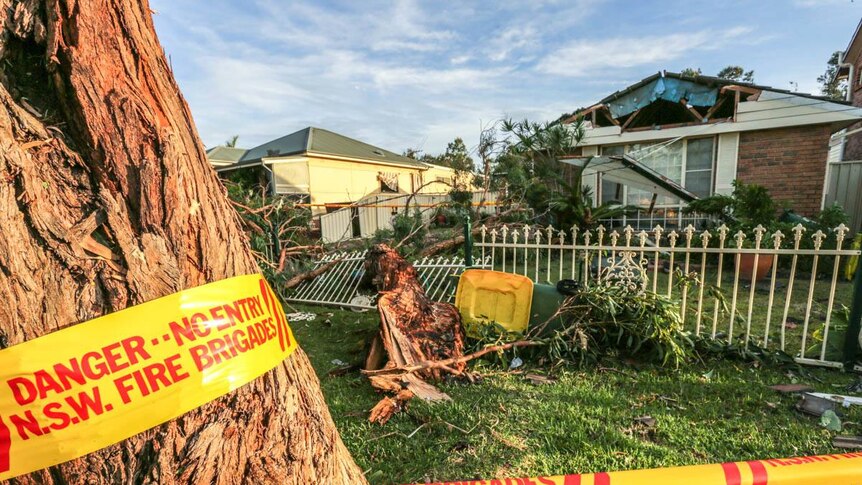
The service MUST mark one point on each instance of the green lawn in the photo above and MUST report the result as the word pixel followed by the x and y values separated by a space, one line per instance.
pixel 582 422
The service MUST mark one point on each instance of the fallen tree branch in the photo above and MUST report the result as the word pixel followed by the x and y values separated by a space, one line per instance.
pixel 296 280
pixel 291 251
pixel 447 363
pixel 459 240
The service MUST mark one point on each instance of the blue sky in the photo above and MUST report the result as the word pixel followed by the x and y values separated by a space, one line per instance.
pixel 401 74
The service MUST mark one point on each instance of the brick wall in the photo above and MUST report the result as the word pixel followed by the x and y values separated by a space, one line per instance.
pixel 789 162
pixel 853 143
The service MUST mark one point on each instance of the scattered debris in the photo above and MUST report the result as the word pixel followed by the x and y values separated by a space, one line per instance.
pixel 830 420
pixel 361 301
pixel 815 405
pixel 707 377
pixel 791 388
pixel 647 421
pixel 538 379
pixel 849 442
pixel 340 371
pixel 845 401
pixel 855 387
pixel 301 317
pixel 515 363
pixel 338 362
pixel 416 430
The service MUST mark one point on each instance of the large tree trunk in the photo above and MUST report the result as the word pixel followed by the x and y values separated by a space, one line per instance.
pixel 106 201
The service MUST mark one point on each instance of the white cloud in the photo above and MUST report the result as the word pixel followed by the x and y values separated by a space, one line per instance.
pixel 513 39
pixel 400 73
pixel 585 57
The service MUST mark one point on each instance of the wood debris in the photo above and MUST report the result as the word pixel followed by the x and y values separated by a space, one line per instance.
pixel 413 330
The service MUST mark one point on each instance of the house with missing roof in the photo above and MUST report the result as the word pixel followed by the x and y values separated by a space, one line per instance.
pixel 703 132
pixel 329 170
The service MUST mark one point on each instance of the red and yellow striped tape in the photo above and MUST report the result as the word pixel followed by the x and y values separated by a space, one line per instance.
pixel 840 469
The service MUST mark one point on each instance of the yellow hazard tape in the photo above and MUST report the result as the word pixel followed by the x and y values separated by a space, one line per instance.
pixel 91 385
pixel 842 469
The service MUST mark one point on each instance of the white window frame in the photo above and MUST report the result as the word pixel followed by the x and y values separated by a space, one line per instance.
pixel 627 147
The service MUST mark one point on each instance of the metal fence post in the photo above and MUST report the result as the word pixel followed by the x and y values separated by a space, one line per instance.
pixel 468 241
pixel 852 348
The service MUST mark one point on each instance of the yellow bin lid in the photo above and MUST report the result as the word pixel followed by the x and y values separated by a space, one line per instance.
pixel 486 296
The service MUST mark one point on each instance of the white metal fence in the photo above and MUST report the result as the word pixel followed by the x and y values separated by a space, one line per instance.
pixel 794 306
pixel 340 285
pixel 666 217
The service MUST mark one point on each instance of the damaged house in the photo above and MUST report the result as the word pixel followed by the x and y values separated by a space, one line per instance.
pixel 703 132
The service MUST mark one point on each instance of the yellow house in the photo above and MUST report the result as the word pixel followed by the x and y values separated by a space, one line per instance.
pixel 325 168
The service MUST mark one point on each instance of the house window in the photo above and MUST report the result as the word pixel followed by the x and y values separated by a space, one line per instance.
pixel 388 182
pixel 699 157
pixel 666 159
pixel 687 162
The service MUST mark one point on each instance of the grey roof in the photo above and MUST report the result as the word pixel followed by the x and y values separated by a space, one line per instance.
pixel 225 154
pixel 325 142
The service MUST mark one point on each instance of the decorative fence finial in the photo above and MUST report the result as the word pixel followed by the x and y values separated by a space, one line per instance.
pixel 628 231
pixel 740 236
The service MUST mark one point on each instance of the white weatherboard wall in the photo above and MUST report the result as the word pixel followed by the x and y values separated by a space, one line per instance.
pixel 592 180
pixel 725 162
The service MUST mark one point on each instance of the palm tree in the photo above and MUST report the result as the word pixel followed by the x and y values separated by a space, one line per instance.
pixel 574 206
pixel 540 148
pixel 231 142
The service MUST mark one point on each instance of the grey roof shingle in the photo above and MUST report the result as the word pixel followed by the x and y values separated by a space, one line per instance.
pixel 325 142
pixel 225 154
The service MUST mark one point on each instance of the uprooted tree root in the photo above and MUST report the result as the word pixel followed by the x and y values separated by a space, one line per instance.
pixel 413 329
pixel 419 339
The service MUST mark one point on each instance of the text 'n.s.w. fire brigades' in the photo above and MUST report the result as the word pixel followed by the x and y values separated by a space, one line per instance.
pixel 94 384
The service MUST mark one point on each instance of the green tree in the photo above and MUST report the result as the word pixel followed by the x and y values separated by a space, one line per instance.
pixel 532 166
pixel 829 85
pixel 412 153
pixel 736 73
pixel 231 142
pixel 691 72
pixel 456 156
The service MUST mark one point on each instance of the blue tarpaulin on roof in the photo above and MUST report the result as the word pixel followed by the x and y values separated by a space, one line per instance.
pixel 669 89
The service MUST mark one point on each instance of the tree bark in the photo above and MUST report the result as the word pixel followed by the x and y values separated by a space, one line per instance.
pixel 106 201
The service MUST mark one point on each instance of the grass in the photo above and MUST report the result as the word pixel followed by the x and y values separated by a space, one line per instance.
pixel 582 422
